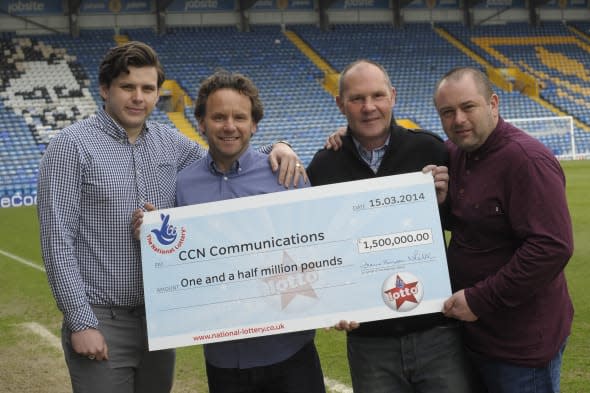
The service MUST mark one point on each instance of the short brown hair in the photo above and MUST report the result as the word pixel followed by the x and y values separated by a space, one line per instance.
pixel 223 79
pixel 131 54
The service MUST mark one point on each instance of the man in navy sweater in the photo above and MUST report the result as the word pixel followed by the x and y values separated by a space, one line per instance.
pixel 414 354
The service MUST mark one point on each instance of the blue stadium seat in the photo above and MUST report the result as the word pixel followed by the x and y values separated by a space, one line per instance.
pixel 297 108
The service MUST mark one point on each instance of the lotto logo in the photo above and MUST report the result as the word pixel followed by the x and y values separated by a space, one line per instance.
pixel 402 291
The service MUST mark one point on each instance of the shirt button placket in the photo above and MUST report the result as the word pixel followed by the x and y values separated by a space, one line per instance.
pixel 225 194
pixel 139 175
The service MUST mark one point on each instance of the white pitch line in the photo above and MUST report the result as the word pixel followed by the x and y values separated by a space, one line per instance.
pixel 22 260
pixel 337 387
pixel 50 338
pixel 54 341
pixel 42 332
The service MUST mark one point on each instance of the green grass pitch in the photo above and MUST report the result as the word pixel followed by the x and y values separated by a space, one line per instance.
pixel 31 360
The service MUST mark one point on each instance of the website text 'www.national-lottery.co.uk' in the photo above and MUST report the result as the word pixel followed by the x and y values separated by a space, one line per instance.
pixel 239 333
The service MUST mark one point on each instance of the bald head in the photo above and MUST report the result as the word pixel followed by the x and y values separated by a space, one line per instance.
pixel 360 65
pixel 367 98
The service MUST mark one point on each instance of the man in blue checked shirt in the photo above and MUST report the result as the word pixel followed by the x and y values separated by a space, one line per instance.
pixel 93 175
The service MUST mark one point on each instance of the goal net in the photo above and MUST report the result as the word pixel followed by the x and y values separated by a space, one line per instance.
pixel 557 133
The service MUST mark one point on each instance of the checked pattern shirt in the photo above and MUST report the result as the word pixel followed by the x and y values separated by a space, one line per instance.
pixel 91 179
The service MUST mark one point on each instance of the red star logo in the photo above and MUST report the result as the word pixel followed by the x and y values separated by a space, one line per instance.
pixel 402 292
pixel 290 284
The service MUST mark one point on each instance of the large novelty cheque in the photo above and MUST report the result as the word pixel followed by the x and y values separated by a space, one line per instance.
pixel 293 260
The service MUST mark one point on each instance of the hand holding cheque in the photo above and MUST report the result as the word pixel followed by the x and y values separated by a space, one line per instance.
pixel 276 263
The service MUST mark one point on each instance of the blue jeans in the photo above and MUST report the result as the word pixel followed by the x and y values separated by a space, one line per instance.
pixel 502 377
pixel 430 361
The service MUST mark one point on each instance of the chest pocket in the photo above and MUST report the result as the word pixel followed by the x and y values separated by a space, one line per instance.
pixel 494 222
pixel 493 209
pixel 481 223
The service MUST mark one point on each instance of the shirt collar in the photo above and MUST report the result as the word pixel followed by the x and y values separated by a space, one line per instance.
pixel 112 128
pixel 491 143
pixel 242 163
pixel 372 157
pixel 368 152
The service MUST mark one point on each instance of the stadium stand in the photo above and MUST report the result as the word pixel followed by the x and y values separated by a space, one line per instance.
pixel 415 57
pixel 44 89
pixel 297 107
pixel 553 54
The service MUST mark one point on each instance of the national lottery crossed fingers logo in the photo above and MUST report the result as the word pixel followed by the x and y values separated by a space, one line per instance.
pixel 167 238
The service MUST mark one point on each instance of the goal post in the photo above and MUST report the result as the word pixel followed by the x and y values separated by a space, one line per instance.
pixel 555 132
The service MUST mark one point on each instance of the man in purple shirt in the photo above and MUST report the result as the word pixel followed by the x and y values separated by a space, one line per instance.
pixel 511 239
pixel 228 110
